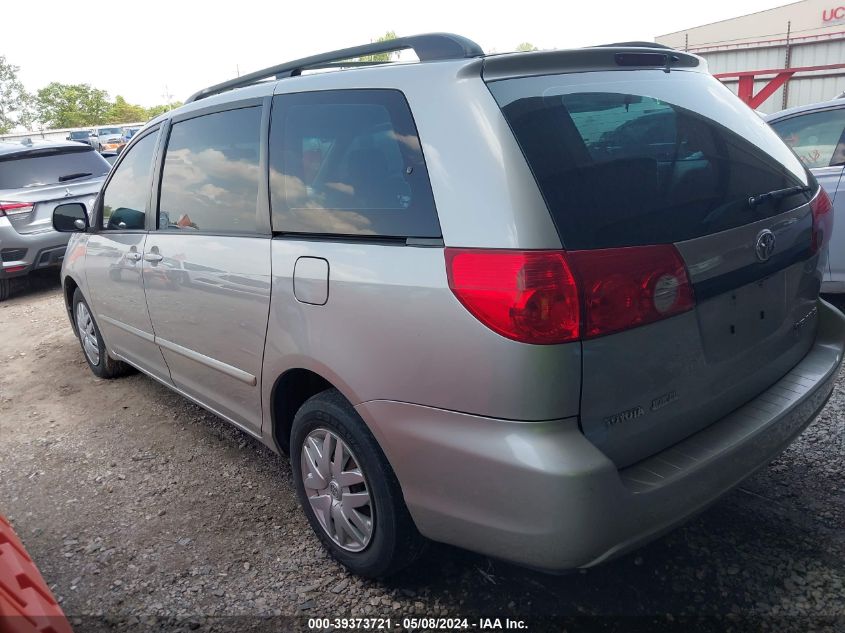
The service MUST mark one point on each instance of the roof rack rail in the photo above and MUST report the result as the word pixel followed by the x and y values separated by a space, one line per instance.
pixel 428 47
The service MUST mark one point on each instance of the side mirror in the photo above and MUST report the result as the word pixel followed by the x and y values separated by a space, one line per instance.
pixel 70 218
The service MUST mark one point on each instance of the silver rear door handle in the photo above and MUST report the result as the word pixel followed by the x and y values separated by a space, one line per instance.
pixel 133 256
pixel 153 257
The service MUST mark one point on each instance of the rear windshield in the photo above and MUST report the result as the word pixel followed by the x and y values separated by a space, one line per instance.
pixel 47 167
pixel 645 157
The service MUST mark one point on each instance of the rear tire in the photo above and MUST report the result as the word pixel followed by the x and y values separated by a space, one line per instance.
pixel 392 541
pixel 4 288
pixel 93 347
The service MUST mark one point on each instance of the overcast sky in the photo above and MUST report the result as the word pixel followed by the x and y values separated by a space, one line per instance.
pixel 137 49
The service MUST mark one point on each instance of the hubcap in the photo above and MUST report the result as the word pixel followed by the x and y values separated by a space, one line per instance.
pixel 87 334
pixel 337 490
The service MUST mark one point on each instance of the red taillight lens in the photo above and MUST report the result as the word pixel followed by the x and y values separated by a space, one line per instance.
pixel 547 297
pixel 822 210
pixel 628 287
pixel 527 296
pixel 14 208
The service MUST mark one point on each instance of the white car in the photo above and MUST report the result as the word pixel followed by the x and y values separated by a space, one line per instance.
pixel 816 133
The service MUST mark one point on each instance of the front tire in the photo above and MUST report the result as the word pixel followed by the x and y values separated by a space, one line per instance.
pixel 348 490
pixel 93 347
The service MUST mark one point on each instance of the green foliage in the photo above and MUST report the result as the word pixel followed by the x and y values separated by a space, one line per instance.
pixel 526 47
pixel 161 109
pixel 379 57
pixel 72 105
pixel 123 112
pixel 80 105
pixel 15 101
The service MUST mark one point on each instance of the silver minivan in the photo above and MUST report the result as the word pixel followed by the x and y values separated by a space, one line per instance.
pixel 544 306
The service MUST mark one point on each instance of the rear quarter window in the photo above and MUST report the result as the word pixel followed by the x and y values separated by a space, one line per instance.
pixel 641 157
pixel 817 138
pixel 348 162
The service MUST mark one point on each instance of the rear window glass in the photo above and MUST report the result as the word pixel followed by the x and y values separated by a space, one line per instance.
pixel 48 167
pixel 653 159
pixel 348 162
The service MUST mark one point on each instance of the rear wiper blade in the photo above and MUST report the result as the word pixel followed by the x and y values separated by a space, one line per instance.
pixel 777 194
pixel 74 176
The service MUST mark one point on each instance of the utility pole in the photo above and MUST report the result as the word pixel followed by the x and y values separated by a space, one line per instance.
pixel 167 97
pixel 686 42
pixel 786 64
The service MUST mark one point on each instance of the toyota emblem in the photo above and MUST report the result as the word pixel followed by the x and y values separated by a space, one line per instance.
pixel 765 245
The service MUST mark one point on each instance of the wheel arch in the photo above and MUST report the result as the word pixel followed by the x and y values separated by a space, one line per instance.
pixel 69 287
pixel 290 391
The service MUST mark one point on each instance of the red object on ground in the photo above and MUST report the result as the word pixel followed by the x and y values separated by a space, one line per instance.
pixel 26 604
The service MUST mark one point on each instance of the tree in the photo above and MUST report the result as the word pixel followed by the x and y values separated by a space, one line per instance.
pixel 15 101
pixel 379 57
pixel 154 111
pixel 526 47
pixel 123 112
pixel 72 105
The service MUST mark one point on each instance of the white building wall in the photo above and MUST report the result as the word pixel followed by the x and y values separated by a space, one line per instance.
pixel 758 42
pixel 807 18
pixel 803 88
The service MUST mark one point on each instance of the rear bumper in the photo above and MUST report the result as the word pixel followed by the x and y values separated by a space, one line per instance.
pixel 21 253
pixel 541 495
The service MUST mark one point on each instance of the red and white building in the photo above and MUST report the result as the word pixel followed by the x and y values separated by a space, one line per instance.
pixel 787 56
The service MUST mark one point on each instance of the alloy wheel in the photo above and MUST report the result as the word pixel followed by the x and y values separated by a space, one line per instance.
pixel 337 490
pixel 87 333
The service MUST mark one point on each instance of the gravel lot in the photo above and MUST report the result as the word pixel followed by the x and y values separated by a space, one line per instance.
pixel 144 512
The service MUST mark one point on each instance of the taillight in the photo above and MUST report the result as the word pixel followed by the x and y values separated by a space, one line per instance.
pixel 527 296
pixel 14 208
pixel 547 297
pixel 627 287
pixel 822 210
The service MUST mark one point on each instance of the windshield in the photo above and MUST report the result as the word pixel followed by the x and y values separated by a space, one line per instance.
pixel 109 130
pixel 48 167
pixel 83 135
pixel 642 157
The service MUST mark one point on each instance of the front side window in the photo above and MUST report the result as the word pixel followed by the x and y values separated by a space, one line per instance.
pixel 210 177
pixel 818 138
pixel 349 162
pixel 127 193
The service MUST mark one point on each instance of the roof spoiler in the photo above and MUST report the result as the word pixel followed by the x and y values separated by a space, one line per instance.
pixel 628 56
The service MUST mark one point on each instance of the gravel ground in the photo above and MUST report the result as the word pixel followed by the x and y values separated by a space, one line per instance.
pixel 144 512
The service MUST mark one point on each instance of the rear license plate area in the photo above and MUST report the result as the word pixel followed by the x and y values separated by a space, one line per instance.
pixel 742 318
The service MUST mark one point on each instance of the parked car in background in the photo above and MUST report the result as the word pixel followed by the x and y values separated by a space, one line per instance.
pixel 816 133
pixel 129 132
pixel 110 139
pixel 83 136
pixel 543 306
pixel 34 178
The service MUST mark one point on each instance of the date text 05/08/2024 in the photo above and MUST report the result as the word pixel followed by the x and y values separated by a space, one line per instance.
pixel 416 623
